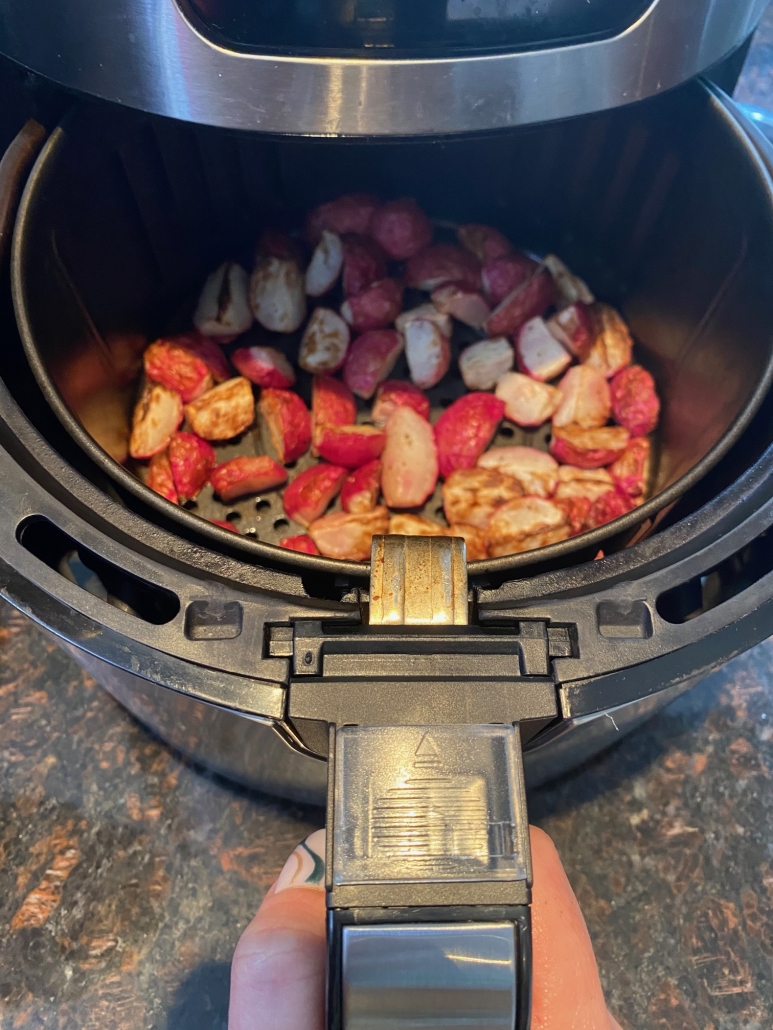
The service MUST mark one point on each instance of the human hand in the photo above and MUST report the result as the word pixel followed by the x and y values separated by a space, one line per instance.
pixel 278 970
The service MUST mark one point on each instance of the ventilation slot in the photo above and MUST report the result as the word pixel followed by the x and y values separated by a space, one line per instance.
pixel 94 574
pixel 720 584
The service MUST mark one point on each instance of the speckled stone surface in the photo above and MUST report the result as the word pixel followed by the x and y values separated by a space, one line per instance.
pixel 127 875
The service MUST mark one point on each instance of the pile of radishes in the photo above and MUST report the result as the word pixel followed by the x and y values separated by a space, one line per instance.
pixel 573 359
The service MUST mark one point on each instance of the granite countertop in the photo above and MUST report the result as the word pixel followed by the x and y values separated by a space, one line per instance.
pixel 127 874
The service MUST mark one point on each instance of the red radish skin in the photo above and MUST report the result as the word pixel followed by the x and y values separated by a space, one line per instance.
pixel 401 228
pixel 538 353
pixel 410 460
pixel 585 399
pixel 485 242
pixel 528 402
pixel 332 402
pixel 177 368
pixel 350 213
pixel 442 263
pixel 574 329
pixel 611 506
pixel 246 475
pixel 632 469
pixel 310 493
pixel 588 448
pixel 529 300
pixel 427 351
pixel 160 478
pixel 364 263
pixel 324 342
pixel 484 363
pixel 351 446
pixel 500 276
pixel 157 415
pixel 370 359
pixel 223 412
pixel 209 351
pixel 224 309
pixel 635 402
pixel 394 393
pixel 376 307
pixel 612 349
pixel 361 489
pixel 224 524
pixel 276 243
pixel 191 460
pixel 278 295
pixel 465 305
pixel 264 366
pixel 536 471
pixel 301 543
pixel 569 288
pixel 465 429
pixel 325 265
pixel 471 496
pixel 288 421
pixel 428 312
pixel 344 536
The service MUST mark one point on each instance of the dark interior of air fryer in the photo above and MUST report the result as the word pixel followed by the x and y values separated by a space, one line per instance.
pixel 130 214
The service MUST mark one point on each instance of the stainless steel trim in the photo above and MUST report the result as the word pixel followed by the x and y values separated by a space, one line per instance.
pixel 145 54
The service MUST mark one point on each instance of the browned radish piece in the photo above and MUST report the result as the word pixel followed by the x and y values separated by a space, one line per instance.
pixel 364 263
pixel 569 288
pixel 224 309
pixel 502 275
pixel 332 402
pixel 224 524
pixel 264 366
pixel 157 414
pixel 635 402
pixel 577 511
pixel 191 460
pixel 429 313
pixel 538 352
pixel 401 228
pixel 442 263
pixel 484 242
pixel 394 393
pixel 526 524
pixel 612 505
pixel 528 402
pixel 370 359
pixel 427 351
pixel 277 295
pixel 377 306
pixel 342 535
pixel 612 349
pixel 175 367
pixel 410 460
pixel 245 475
pixel 361 488
pixel 224 411
pixel 325 265
pixel 309 494
pixel 324 342
pixel 465 305
pixel 160 477
pixel 529 300
pixel 585 399
pixel 632 469
pixel 474 538
pixel 482 364
pixel 350 213
pixel 588 448
pixel 536 471
pixel 288 421
pixel 415 525
pixel 471 496
pixel 350 446
pixel 574 328
pixel 279 244
pixel 208 351
pixel 578 482
pixel 465 429
pixel 302 543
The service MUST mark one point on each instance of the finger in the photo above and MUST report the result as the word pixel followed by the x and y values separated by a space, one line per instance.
pixel 278 969
pixel 566 989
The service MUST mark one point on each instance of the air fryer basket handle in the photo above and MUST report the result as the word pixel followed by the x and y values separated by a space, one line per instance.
pixel 428 864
